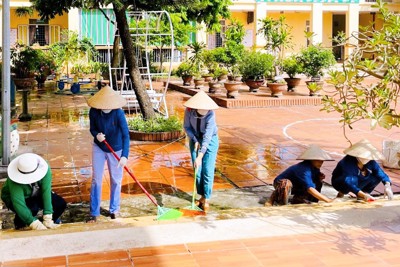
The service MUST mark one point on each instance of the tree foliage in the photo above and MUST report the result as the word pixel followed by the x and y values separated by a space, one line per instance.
pixel 367 87
pixel 203 11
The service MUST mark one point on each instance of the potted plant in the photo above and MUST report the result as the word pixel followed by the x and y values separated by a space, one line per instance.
pixel 158 128
pixel 314 59
pixel 186 71
pixel 292 67
pixel 277 34
pixel 24 64
pixel 45 67
pixel 254 67
pixel 231 53
pixel 277 86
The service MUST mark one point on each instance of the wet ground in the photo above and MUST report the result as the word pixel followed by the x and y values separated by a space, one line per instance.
pixel 256 144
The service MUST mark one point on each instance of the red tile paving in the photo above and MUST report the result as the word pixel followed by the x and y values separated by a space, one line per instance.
pixel 364 247
pixel 256 144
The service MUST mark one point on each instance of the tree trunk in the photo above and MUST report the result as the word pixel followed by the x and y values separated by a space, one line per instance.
pixel 143 98
pixel 115 59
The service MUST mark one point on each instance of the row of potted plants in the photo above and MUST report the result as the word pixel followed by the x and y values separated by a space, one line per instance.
pixel 73 55
pixel 257 67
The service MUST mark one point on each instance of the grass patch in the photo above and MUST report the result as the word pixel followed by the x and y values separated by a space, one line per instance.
pixel 155 125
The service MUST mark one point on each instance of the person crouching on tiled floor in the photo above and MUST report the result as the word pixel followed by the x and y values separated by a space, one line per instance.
pixel 359 173
pixel 303 180
pixel 27 190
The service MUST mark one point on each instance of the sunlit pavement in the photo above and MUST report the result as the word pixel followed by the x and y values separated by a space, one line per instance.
pixel 256 144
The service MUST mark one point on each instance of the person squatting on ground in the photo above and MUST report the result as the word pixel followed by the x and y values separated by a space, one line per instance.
pixel 27 190
pixel 359 173
pixel 107 122
pixel 201 128
pixel 303 180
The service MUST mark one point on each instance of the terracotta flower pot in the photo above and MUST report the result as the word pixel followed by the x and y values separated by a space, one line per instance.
pixel 214 87
pixel 254 85
pixel 292 83
pixel 24 83
pixel 232 89
pixel 277 89
pixel 187 80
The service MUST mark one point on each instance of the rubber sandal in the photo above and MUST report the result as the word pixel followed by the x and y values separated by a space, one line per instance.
pixel 91 219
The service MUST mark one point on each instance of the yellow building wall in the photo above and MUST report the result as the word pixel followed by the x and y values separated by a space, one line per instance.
pixel 327 29
pixel 62 21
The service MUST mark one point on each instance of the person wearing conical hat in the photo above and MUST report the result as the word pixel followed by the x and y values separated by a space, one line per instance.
pixel 27 190
pixel 303 180
pixel 358 172
pixel 107 122
pixel 202 131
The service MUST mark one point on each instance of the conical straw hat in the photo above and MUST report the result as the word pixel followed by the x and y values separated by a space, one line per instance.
pixel 107 98
pixel 364 149
pixel 314 152
pixel 201 101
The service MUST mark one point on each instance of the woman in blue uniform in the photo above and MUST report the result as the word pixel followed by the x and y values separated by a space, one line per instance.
pixel 303 180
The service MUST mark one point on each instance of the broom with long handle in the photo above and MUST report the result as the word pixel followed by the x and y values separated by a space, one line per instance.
pixel 193 210
pixel 162 212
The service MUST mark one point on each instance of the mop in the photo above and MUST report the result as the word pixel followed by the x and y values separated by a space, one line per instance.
pixel 162 212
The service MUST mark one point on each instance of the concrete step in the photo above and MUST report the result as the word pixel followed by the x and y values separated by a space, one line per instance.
pixel 245 223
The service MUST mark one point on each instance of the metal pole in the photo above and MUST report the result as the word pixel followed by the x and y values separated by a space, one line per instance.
pixel 5 92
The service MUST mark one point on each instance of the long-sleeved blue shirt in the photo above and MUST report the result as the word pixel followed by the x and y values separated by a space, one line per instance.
pixel 114 126
pixel 203 134
pixel 347 167
pixel 301 175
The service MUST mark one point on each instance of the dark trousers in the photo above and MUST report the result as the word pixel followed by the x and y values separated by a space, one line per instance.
pixel 303 197
pixel 35 204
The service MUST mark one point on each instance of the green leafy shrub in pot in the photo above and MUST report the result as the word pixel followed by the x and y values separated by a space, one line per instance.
pixel 185 69
pixel 292 66
pixel 156 124
pixel 314 59
pixel 256 65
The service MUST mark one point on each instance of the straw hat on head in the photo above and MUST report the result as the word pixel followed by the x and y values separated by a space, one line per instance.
pixel 27 168
pixel 107 98
pixel 201 101
pixel 364 149
pixel 314 152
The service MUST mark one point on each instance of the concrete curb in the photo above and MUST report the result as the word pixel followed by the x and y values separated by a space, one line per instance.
pixel 228 225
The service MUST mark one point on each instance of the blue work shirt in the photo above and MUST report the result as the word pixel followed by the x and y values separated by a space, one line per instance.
pixel 114 126
pixel 347 167
pixel 301 175
pixel 206 130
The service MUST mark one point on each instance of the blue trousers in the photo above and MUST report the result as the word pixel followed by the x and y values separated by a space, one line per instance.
pixel 99 158
pixel 205 173
pixel 346 184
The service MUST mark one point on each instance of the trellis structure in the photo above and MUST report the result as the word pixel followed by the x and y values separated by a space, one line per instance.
pixel 151 32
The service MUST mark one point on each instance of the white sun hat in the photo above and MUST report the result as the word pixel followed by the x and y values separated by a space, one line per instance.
pixel 201 101
pixel 27 168
pixel 107 98
pixel 314 152
pixel 364 149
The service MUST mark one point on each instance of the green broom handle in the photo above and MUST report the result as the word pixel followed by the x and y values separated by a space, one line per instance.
pixel 130 173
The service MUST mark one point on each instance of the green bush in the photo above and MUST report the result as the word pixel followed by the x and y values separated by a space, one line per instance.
pixel 256 65
pixel 291 66
pixel 314 59
pixel 157 124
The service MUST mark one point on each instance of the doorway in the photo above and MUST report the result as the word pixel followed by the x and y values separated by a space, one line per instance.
pixel 338 25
